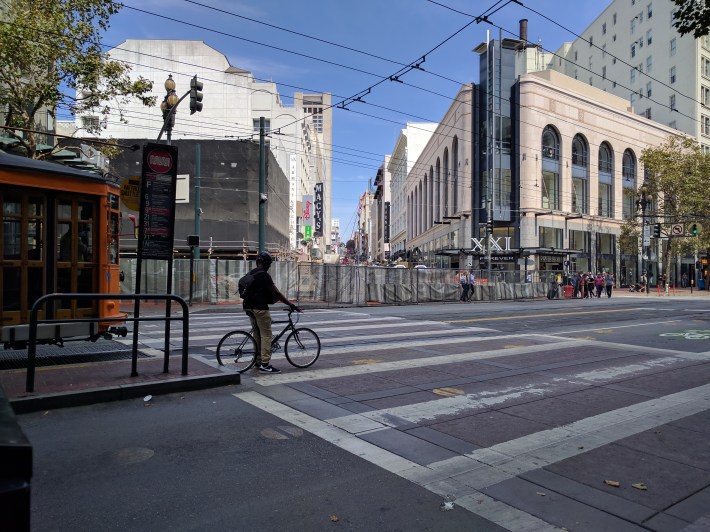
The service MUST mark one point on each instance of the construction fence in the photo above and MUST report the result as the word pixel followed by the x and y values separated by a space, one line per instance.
pixel 216 281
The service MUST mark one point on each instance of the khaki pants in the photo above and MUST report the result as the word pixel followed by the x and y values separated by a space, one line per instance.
pixel 261 322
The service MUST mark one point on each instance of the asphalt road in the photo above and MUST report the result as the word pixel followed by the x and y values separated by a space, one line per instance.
pixel 518 412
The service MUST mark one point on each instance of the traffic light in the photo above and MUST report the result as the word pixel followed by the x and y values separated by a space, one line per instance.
pixel 694 229
pixel 657 230
pixel 489 227
pixel 195 95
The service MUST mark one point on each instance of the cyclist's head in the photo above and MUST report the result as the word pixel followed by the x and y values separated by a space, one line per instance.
pixel 264 259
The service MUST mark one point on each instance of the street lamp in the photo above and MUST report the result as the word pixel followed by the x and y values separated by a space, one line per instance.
pixel 643 202
pixel 166 106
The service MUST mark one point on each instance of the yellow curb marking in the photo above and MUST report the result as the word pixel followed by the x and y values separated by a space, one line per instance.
pixel 448 392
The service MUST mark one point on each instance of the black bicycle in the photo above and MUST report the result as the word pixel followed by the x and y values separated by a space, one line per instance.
pixel 238 348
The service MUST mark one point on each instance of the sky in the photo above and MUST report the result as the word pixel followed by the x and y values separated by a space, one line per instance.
pixel 367 42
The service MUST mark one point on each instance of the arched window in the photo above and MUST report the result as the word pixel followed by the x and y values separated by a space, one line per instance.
pixel 628 174
pixel 437 196
pixel 580 175
pixel 434 200
pixel 550 168
pixel 425 204
pixel 606 181
pixel 455 175
pixel 446 182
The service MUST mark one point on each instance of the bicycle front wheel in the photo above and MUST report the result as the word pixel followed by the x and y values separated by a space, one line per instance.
pixel 302 347
pixel 237 350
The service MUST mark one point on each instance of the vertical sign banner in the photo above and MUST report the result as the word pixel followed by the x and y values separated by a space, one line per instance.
pixel 318 211
pixel 307 217
pixel 157 202
pixel 386 222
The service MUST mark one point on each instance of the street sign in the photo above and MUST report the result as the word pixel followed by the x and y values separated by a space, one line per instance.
pixel 646 235
pixel 677 230
pixel 130 193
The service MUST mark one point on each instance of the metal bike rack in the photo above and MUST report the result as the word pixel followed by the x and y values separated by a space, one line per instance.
pixel 32 334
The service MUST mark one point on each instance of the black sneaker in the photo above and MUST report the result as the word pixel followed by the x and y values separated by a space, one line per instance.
pixel 269 369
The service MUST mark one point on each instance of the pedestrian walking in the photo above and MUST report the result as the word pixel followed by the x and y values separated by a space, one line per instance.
pixel 471 284
pixel 463 280
pixel 590 285
pixel 684 280
pixel 599 284
pixel 575 285
pixel 609 282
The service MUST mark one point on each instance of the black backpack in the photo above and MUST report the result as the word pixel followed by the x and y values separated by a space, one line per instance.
pixel 245 283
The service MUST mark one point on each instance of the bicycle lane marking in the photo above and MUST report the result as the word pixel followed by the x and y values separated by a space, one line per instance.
pixel 466 497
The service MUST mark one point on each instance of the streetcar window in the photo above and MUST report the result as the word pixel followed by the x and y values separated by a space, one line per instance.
pixel 64 210
pixel 11 289
pixel 12 206
pixel 64 242
pixel 113 201
pixel 12 239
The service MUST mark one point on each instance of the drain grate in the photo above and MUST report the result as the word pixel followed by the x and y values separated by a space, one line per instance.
pixel 56 359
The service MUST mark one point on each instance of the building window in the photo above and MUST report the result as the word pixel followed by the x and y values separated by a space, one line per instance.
pixel 90 123
pixel 550 237
pixel 705 95
pixel 633 75
pixel 633 50
pixel 705 67
pixel 613 38
pixel 575 55
pixel 672 75
pixel 575 73
pixel 550 169
pixel 606 200
pixel 672 102
pixel 673 46
pixel 632 99
pixel 649 64
pixel 649 37
pixel 613 18
pixel 613 84
pixel 604 72
pixel 580 175
pixel 604 51
pixel 633 25
pixel 640 42
pixel 649 11
pixel 590 80
pixel 705 124
pixel 673 12
pixel 705 41
pixel 628 171
pixel 672 124
pixel 604 29
pixel 647 113
pixel 591 40
pixel 613 60
pixel 256 127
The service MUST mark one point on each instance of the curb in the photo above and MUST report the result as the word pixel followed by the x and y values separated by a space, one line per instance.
pixel 25 405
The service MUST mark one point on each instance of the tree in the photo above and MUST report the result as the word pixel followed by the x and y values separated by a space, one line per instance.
pixel 51 58
pixel 678 173
pixel 692 16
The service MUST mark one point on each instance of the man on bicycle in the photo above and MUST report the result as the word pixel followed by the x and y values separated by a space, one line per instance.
pixel 261 293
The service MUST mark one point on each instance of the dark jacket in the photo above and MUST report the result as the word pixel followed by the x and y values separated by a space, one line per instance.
pixel 261 291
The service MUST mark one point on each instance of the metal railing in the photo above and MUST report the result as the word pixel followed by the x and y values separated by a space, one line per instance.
pixel 32 333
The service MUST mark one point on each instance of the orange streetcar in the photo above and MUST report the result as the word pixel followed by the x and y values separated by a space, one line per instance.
pixel 59 229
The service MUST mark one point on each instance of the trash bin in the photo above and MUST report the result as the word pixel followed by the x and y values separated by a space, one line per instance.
pixel 568 291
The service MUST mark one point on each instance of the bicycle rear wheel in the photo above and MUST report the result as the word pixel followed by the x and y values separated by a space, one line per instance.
pixel 237 349
pixel 302 347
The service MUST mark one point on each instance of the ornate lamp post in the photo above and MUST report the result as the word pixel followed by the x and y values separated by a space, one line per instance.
pixel 643 202
pixel 166 106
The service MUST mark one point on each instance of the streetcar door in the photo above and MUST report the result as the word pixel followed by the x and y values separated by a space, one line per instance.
pixel 23 253
pixel 76 256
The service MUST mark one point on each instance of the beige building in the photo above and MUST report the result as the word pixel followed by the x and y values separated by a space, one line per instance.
pixel 633 51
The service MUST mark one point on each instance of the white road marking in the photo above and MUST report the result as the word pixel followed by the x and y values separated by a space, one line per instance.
pixel 500 513
pixel 329 373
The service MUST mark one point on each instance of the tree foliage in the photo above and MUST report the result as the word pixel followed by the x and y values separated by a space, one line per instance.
pixel 692 16
pixel 51 58
pixel 678 182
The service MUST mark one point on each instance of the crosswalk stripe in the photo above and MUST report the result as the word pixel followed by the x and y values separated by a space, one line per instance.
pixel 474 501
pixel 329 373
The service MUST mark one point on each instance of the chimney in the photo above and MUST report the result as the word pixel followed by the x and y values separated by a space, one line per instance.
pixel 524 30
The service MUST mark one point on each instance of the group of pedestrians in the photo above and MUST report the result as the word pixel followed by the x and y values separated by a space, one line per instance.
pixel 467 280
pixel 588 285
